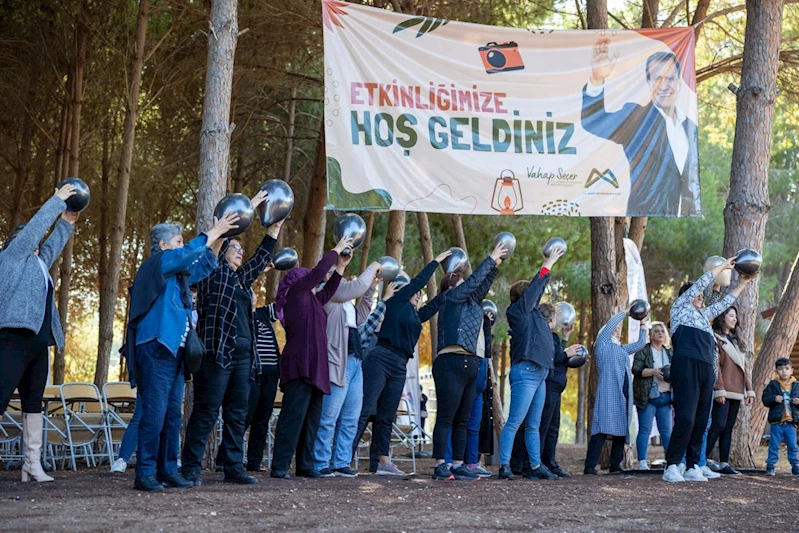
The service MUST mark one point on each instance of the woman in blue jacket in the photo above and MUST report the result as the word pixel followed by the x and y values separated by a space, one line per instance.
pixel 29 322
pixel 461 344
pixel 531 355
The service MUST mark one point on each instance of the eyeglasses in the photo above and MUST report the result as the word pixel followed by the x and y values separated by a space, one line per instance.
pixel 237 248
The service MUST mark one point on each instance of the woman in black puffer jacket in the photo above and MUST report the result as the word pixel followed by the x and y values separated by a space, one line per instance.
pixel 460 328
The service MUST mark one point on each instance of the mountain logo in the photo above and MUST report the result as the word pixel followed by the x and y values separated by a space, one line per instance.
pixel 597 175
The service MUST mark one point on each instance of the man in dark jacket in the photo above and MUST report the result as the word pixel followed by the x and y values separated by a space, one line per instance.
pixel 781 396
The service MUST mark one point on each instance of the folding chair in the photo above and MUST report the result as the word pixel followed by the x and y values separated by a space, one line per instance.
pixel 83 416
pixel 402 434
pixel 119 402
pixel 272 427
pixel 11 450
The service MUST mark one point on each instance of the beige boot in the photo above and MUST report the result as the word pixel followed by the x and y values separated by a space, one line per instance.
pixel 32 424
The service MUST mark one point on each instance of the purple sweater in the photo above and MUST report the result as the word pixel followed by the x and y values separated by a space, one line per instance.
pixel 305 321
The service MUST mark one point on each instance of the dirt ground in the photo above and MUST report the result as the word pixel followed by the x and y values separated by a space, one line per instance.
pixel 95 500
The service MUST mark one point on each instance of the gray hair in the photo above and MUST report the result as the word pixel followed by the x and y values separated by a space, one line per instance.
pixel 163 232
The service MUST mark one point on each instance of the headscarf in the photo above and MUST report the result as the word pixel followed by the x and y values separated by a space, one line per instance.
pixel 291 277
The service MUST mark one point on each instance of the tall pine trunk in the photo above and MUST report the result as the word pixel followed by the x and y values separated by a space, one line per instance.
pixel 747 207
pixel 65 271
pixel 215 137
pixel 313 225
pixel 395 234
pixel 108 294
pixel 426 241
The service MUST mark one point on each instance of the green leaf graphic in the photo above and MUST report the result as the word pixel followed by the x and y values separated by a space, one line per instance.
pixel 404 25
pixel 339 198
pixel 429 24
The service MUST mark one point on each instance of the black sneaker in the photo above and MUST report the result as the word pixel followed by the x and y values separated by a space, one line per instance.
pixel 194 477
pixel 174 481
pixel 148 484
pixel 326 472
pixel 542 472
pixel 312 474
pixel 617 470
pixel 442 473
pixel 505 472
pixel 590 471
pixel 795 470
pixel 727 470
pixel 345 472
pixel 256 468
pixel 770 470
pixel 240 477
pixel 560 472
pixel 462 473
pixel 279 474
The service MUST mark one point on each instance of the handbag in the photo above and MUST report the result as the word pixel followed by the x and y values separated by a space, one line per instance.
pixel 193 352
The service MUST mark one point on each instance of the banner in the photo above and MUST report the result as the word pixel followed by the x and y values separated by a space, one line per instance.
pixel 426 114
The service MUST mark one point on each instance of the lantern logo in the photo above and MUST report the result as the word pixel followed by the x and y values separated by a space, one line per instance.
pixel 507 198
pixel 596 175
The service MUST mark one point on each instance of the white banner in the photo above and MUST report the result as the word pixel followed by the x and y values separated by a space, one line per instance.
pixel 425 114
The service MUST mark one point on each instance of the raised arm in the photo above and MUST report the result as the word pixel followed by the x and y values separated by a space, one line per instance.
pixel 318 273
pixel 26 242
pixel 350 290
pixel 182 259
pixel 428 311
pixel 55 243
pixel 418 283
pixel 364 306
pixel 472 287
pixel 640 343
pixel 532 295
pixel 606 333
pixel 329 289
pixel 255 265
pixel 367 328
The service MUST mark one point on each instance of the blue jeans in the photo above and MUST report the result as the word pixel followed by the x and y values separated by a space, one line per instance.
pixel 131 437
pixel 340 413
pixel 527 396
pixel 659 408
pixel 475 418
pixel 782 433
pixel 160 383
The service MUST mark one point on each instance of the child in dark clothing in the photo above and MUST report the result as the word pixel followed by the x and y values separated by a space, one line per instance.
pixel 781 396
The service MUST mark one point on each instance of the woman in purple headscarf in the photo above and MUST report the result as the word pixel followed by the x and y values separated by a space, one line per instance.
pixel 304 370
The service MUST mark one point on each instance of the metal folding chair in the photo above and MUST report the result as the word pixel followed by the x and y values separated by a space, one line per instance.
pixel 119 402
pixel 84 420
pixel 11 449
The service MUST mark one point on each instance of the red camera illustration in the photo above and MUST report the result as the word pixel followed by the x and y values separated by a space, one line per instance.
pixel 501 57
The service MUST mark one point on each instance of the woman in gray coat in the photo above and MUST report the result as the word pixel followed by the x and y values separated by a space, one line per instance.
pixel 613 406
pixel 29 322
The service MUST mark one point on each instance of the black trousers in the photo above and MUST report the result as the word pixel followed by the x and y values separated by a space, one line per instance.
pixel 215 386
pixel 262 402
pixel 549 431
pixel 722 422
pixel 383 380
pixel 692 383
pixel 297 426
pixel 595 449
pixel 24 368
pixel 455 376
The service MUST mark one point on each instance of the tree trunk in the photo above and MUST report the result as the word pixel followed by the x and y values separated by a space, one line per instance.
pixel 109 292
pixel 503 368
pixel 395 235
pixel 779 342
pixel 649 14
pixel 313 225
pixel 460 239
pixel 215 138
pixel 216 125
pixel 579 426
pixel 426 241
pixel 747 207
pixel 367 241
pixel 65 271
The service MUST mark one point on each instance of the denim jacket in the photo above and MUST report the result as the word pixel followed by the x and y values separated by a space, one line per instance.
pixel 167 318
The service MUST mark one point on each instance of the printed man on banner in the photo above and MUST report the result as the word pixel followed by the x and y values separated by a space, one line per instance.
pixel 659 141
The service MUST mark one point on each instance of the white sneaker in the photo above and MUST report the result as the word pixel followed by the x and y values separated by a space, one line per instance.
pixel 672 475
pixel 681 468
pixel 708 473
pixel 694 474
pixel 119 466
pixel 643 465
